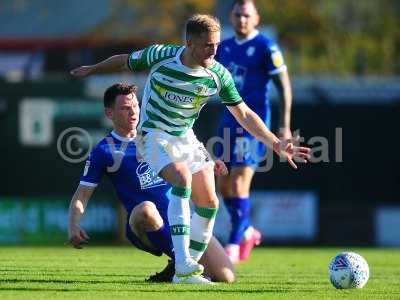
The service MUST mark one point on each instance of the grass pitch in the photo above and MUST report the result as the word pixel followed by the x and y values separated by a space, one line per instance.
pixel 119 273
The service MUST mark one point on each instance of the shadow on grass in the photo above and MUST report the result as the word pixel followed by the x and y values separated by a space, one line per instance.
pixel 134 280
pixel 188 288
pixel 58 273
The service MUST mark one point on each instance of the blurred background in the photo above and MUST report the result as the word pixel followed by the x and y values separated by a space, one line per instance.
pixel 344 61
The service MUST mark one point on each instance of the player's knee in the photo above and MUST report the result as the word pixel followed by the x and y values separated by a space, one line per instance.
pixel 212 201
pixel 207 200
pixel 227 275
pixel 148 209
pixel 150 216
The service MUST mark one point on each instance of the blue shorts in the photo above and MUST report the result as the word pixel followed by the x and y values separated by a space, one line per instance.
pixel 137 242
pixel 240 148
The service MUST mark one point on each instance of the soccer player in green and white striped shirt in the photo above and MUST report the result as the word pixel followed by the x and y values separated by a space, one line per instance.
pixel 181 80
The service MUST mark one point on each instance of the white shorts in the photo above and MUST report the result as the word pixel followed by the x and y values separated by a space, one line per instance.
pixel 160 149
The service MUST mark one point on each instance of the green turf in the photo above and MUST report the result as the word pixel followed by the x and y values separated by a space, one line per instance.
pixel 119 273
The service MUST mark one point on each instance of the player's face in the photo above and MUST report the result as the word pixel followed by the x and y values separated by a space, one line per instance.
pixel 125 113
pixel 244 19
pixel 204 48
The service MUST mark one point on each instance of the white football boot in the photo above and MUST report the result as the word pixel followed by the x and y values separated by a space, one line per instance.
pixel 195 279
pixel 189 268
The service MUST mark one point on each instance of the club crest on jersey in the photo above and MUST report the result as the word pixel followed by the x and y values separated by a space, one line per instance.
pixel 177 98
pixel 250 51
pixel 147 177
pixel 238 74
pixel 200 89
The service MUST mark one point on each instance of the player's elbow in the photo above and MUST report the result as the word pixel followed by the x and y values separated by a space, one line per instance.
pixel 123 59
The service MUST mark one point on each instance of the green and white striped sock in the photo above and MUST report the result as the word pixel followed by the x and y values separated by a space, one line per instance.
pixel 202 225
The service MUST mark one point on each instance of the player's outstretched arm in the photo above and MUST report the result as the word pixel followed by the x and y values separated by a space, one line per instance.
pixel 76 235
pixel 250 121
pixel 116 63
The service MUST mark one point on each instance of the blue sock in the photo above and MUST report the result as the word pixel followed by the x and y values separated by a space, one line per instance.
pixel 161 238
pixel 239 210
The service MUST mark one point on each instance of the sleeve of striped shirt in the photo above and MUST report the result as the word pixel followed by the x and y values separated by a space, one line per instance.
pixel 148 57
pixel 228 93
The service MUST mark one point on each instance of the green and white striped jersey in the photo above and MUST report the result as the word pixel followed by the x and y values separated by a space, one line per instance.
pixel 174 94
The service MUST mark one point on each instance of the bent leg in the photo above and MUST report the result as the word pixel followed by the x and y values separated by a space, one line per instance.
pixel 149 229
pixel 216 264
pixel 150 233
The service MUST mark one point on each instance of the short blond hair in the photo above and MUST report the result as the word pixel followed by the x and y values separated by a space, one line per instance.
pixel 198 24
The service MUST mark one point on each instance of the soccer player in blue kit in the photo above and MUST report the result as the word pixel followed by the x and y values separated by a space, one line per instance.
pixel 253 61
pixel 142 193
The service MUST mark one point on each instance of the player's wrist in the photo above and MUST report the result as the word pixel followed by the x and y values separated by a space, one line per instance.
pixel 277 147
pixel 93 69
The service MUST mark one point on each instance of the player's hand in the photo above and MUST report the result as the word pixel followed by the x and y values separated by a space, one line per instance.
pixel 220 168
pixel 285 134
pixel 77 236
pixel 288 151
pixel 82 71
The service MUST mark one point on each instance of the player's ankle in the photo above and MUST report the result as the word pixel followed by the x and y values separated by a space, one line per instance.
pixel 248 233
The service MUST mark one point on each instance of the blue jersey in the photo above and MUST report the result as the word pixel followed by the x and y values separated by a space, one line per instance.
pixel 133 181
pixel 252 62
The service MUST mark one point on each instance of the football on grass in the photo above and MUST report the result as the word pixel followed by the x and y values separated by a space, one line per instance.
pixel 348 270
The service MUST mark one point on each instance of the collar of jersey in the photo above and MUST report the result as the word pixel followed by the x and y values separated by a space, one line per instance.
pixel 121 138
pixel 249 38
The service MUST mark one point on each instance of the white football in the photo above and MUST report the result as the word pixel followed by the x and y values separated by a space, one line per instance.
pixel 348 270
